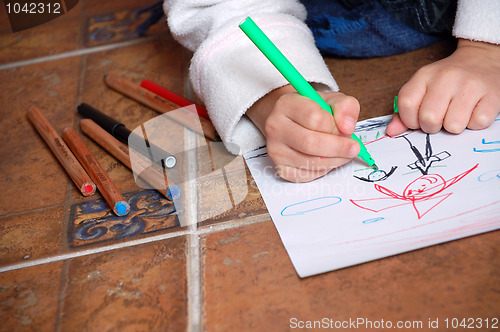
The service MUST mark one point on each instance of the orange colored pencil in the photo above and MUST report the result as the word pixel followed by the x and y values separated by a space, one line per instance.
pixel 107 188
pixel 61 151
pixel 161 105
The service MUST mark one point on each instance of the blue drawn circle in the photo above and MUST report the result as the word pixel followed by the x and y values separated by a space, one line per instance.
pixel 372 220
pixel 376 175
pixel 489 175
pixel 301 212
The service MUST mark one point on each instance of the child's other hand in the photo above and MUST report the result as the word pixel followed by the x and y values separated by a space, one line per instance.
pixel 304 141
pixel 458 92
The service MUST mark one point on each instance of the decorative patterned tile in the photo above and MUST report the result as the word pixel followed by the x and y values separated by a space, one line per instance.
pixel 119 25
pixel 93 7
pixel 140 288
pixel 249 284
pixel 29 298
pixel 92 221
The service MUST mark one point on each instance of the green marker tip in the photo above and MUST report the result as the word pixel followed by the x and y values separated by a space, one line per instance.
pixel 395 106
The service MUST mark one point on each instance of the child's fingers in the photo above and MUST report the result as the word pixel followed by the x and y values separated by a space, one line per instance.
pixel 396 126
pixel 459 112
pixel 308 114
pixel 345 112
pixel 410 98
pixel 299 167
pixel 315 143
pixel 485 112
pixel 290 157
pixel 433 109
pixel 293 174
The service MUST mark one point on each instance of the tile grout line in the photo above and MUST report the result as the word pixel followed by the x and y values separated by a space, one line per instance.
pixel 85 51
pixel 234 224
pixel 62 294
pixel 193 282
pixel 60 257
pixel 193 256
pixel 17 213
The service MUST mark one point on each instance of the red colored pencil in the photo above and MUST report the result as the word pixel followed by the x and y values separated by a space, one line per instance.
pixel 183 116
pixel 173 97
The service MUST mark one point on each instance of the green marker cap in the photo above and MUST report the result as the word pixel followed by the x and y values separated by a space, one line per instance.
pixel 395 106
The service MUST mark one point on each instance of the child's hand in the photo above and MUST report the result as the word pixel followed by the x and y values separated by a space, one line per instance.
pixel 458 92
pixel 304 141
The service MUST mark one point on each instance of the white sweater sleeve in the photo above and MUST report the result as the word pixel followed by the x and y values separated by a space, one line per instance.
pixel 228 72
pixel 478 20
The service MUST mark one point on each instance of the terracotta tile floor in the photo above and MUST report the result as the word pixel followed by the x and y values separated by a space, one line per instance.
pixel 213 262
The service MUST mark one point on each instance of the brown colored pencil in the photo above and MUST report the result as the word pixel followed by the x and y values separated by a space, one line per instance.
pixel 107 188
pixel 61 151
pixel 120 151
pixel 162 105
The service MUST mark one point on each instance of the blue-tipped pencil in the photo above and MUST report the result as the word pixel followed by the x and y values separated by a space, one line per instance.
pixel 107 188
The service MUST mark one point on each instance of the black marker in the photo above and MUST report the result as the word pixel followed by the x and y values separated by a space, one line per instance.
pixel 122 133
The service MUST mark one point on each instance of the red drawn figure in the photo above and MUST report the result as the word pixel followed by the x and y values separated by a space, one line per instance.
pixel 424 193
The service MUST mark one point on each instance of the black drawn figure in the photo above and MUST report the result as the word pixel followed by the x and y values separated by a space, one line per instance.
pixel 423 163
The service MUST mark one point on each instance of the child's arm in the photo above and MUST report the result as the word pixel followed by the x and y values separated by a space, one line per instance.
pixel 228 72
pixel 304 141
pixel 458 92
pixel 462 90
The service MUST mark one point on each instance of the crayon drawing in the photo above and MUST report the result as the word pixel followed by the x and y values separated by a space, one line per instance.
pixel 421 193
pixel 429 189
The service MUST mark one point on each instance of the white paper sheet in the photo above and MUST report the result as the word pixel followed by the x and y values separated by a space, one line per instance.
pixel 443 187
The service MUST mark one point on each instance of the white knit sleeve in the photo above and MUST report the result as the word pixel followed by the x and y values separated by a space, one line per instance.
pixel 478 20
pixel 228 72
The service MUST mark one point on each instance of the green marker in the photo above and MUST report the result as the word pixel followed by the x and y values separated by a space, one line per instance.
pixel 395 107
pixel 284 66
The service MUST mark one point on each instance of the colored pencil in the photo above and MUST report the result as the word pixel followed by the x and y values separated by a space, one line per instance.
pixel 119 131
pixel 107 188
pixel 160 104
pixel 120 151
pixel 173 97
pixel 61 151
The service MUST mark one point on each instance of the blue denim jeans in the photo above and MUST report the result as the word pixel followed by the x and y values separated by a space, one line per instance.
pixel 364 28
